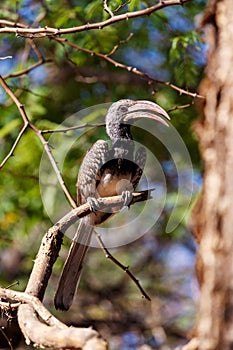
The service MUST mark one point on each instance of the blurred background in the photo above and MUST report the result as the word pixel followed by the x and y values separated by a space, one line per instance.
pixel 168 48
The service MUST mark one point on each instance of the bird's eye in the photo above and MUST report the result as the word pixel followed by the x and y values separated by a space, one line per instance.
pixel 123 109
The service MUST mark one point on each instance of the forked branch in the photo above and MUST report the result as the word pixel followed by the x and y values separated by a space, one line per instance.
pixel 36 323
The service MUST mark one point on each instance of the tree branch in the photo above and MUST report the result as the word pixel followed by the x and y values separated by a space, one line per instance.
pixel 21 29
pixel 131 69
pixel 48 31
pixel 59 337
pixel 52 240
pixel 38 325
pixel 25 298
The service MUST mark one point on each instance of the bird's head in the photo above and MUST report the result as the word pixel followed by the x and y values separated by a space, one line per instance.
pixel 123 113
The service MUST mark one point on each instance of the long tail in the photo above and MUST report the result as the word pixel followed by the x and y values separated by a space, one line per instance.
pixel 72 269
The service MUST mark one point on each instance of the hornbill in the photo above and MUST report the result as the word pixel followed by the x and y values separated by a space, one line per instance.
pixel 105 171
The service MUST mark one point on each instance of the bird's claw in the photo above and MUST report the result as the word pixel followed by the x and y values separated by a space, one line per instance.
pixel 127 197
pixel 93 203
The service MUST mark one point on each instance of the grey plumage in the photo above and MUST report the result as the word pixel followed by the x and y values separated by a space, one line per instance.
pixel 105 171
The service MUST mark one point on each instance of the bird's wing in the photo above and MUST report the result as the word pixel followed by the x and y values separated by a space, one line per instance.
pixel 89 172
pixel 140 161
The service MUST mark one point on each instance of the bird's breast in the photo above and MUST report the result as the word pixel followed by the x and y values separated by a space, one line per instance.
pixel 112 184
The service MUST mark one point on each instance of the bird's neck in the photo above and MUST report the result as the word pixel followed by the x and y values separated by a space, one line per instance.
pixel 122 141
pixel 117 131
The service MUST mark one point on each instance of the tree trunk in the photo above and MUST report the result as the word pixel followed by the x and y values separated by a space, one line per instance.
pixel 213 215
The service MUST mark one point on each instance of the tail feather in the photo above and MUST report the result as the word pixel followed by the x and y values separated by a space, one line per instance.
pixel 72 269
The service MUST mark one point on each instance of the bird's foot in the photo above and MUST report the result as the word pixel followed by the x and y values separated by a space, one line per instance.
pixel 93 203
pixel 127 197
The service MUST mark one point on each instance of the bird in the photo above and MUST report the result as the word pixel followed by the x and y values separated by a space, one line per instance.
pixel 106 170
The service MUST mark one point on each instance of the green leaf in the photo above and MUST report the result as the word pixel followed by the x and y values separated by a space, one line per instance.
pixel 9 127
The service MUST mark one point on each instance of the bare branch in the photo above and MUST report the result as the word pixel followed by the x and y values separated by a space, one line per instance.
pixel 52 333
pixel 36 49
pixel 48 31
pixel 131 69
pixel 7 339
pixel 21 29
pixel 42 139
pixel 28 69
pixel 106 8
pixel 175 108
pixel 122 267
pixel 4 22
pixel 25 298
pixel 42 329
pixel 86 125
pixel 121 6
pixel 64 337
pixel 10 154
pixel 116 47
pixel 180 90
pixel 5 58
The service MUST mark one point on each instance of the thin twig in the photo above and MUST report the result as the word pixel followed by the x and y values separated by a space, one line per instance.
pixel 106 8
pixel 16 283
pixel 121 6
pixel 7 339
pixel 10 154
pixel 42 139
pixel 116 47
pixel 6 57
pixel 86 125
pixel 5 22
pixel 175 108
pixel 36 49
pixel 23 89
pixel 28 69
pixel 123 267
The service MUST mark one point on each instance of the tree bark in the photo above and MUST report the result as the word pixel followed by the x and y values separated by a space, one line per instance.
pixel 213 214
